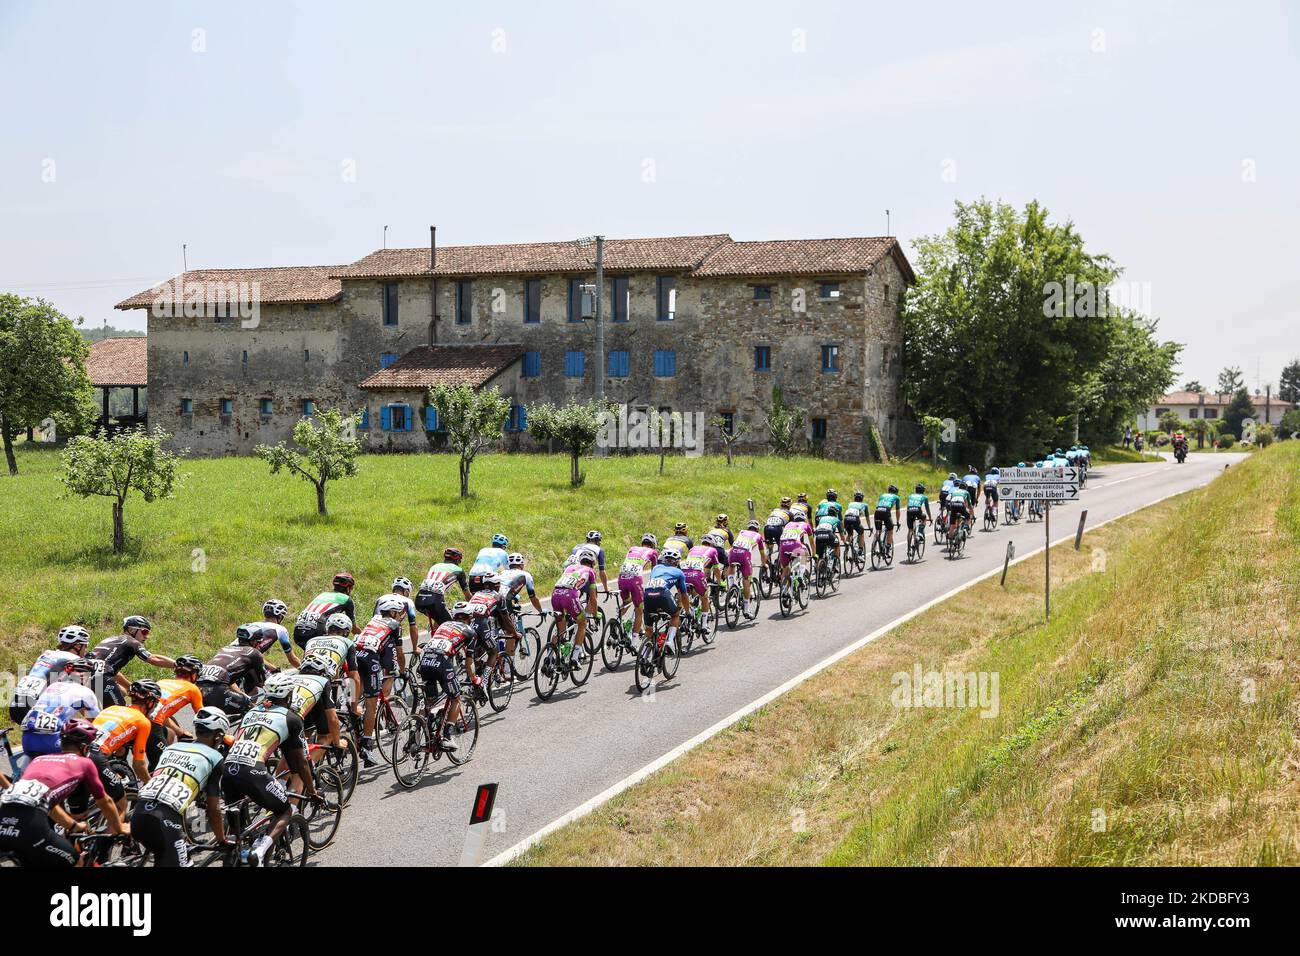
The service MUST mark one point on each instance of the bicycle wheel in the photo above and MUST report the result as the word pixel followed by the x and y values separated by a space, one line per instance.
pixel 410 751
pixel 322 819
pixel 343 760
pixel 731 607
pixel 786 601
pixel 877 554
pixel 547 676
pixel 820 582
pixel 755 601
pixel 670 658
pixel 801 595
pixel 501 683
pixel 644 666
pixel 527 650
pixel 920 546
pixel 292 847
pixel 612 647
pixel 580 674
pixel 387 722
pixel 465 732
pixel 889 555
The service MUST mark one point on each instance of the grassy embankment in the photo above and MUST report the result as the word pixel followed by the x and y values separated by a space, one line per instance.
pixel 1153 721
pixel 201 564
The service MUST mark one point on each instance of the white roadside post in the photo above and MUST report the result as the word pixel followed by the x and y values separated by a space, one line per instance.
pixel 480 818
pixel 1056 483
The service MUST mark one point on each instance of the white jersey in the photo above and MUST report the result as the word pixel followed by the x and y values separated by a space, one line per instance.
pixel 410 605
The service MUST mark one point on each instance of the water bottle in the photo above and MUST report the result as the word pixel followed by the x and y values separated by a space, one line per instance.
pixel 566 648
pixel 501 644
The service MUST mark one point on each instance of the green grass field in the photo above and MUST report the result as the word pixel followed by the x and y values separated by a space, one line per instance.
pixel 201 564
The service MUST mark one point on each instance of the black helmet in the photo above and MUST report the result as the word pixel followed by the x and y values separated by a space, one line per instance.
pixel 247 633
pixel 136 621
pixel 857 496
pixel 893 489
pixel 832 494
pixel 920 488
pixel 188 662
pixel 147 689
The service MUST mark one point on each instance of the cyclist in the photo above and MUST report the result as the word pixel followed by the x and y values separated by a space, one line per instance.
pixel 680 541
pixel 991 488
pixel 400 591
pixel 698 567
pixel 854 517
pixel 918 504
pixel 889 513
pixel 490 607
pixel 437 665
pixel 830 505
pixel 801 507
pixel 274 632
pixel 431 599
pixel 631 582
pixel 796 541
pixel 311 622
pixel 178 692
pixel 493 558
pixel 26 807
pixel 185 770
pixel 826 535
pixel 772 528
pixel 721 526
pixel 665 577
pixel 747 547
pixel 944 490
pixel 266 728
pixel 972 483
pixel 119 727
pixel 574 598
pixel 379 653
pixel 334 655
pixel 515 581
pixel 230 678
pixel 67 698
pixel 960 509
pixel 73 641
pixel 593 542
pixel 116 652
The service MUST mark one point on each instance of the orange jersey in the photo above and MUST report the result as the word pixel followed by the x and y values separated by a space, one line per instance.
pixel 176 694
pixel 118 726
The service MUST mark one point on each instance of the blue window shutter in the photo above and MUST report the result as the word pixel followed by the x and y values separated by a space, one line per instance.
pixel 365 418
pixel 523 418
pixel 532 364
pixel 430 419
pixel 665 363
pixel 386 418
pixel 407 416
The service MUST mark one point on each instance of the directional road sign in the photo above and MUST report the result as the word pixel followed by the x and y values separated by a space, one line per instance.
pixel 1054 483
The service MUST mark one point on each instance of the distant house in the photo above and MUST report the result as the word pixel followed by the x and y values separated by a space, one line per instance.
pixel 119 369
pixel 1190 406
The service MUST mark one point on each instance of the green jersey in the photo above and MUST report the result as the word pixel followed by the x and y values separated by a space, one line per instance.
pixel 888 500
pixel 959 496
pixel 827 507
pixel 918 501
pixel 858 508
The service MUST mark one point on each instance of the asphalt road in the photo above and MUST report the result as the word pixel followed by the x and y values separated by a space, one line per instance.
pixel 548 758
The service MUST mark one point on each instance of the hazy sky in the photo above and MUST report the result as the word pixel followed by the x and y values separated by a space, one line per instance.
pixel 1168 132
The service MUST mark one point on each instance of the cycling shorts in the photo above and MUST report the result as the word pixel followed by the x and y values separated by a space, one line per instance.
pixel 27 833
pixel 158 828
pixel 884 519
pixel 631 588
pixel 743 558
pixel 696 580
pixel 373 665
pixel 258 784
pixel 438 671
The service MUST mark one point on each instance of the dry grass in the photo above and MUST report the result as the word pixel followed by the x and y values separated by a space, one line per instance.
pixel 1152 722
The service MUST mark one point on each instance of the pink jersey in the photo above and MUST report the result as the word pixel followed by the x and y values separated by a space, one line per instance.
pixel 701 558
pixel 796 531
pixel 638 561
pixel 576 577
pixel 749 540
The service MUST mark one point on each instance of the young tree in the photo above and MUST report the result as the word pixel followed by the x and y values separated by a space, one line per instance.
pixel 329 451
pixel 1170 422
pixel 1230 380
pixel 42 371
pixel 1200 428
pixel 575 425
pixel 474 420
pixel 785 426
pixel 1239 409
pixel 114 467
pixel 1193 386
pixel 1289 427
pixel 1288 387
pixel 661 427
pixel 731 435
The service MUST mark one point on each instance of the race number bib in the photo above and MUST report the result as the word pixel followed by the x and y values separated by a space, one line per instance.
pixel 172 787
pixel 27 793
pixel 43 723
pixel 245 752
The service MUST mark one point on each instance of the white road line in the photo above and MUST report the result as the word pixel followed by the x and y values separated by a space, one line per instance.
pixel 1120 481
pixel 609 793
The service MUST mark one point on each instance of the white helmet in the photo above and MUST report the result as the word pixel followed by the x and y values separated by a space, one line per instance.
pixel 73 635
pixel 279 687
pixel 388 604
pixel 401 582
pixel 516 560
pixel 589 555
pixel 338 621
pixel 212 719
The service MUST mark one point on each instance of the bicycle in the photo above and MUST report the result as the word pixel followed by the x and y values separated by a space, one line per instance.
pixel 1035 512
pixel 657 652
pixel 857 554
pixel 733 603
pixel 916 542
pixel 290 848
pixel 957 540
pixel 557 658
pixel 882 551
pixel 420 740
pixel 826 577
pixel 769 574
pixel 990 515
pixel 615 642
pixel 390 711
pixel 1011 512
pixel 496 682
pixel 794 591
pixel 528 649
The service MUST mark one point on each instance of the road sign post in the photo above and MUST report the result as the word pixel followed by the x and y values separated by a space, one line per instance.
pixel 1049 485
pixel 480 817
pixel 1047 558
pixel 1078 535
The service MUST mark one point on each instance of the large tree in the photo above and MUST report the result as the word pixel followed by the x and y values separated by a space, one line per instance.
pixel 1288 387
pixel 1137 368
pixel 1230 380
pixel 1005 322
pixel 42 371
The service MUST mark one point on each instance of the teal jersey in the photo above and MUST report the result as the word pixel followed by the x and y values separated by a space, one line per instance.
pixel 917 501
pixel 858 508
pixel 828 521
pixel 888 500
pixel 959 496
pixel 828 507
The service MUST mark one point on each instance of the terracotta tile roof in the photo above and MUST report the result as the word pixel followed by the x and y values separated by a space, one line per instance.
pixel 803 257
pixel 427 365
pixel 119 362
pixel 678 253
pixel 278 284
pixel 1215 401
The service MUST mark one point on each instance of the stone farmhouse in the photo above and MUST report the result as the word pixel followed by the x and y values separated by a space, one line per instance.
pixel 693 324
